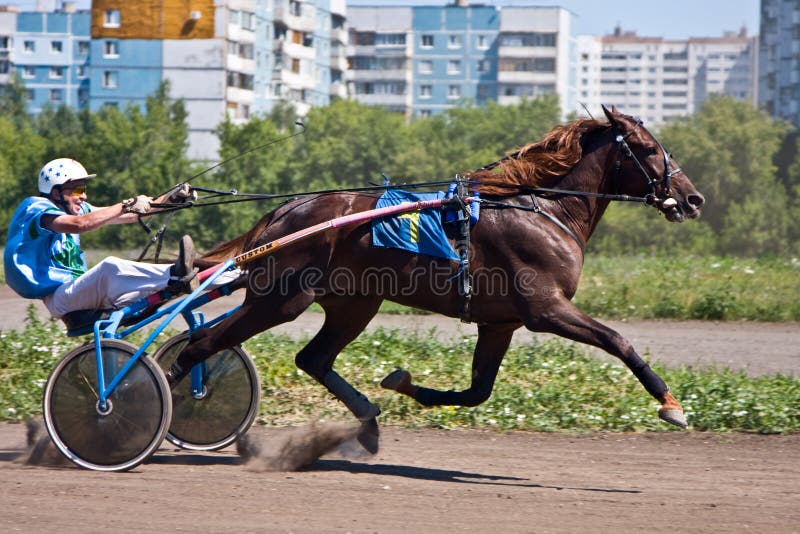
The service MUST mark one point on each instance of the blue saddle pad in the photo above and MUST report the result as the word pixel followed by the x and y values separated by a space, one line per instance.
pixel 416 231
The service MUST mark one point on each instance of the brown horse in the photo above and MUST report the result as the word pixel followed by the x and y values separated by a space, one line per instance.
pixel 526 256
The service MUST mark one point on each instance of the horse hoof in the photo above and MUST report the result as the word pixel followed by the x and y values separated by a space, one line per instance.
pixel 673 416
pixel 398 380
pixel 368 435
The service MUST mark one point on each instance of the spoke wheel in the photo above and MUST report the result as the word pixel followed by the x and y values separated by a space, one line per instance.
pixel 225 408
pixel 127 429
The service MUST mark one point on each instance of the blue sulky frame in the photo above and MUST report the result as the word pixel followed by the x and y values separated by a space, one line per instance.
pixel 108 329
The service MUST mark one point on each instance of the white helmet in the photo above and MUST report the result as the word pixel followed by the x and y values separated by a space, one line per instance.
pixel 60 171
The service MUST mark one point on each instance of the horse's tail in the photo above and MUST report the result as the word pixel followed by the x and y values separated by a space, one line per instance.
pixel 237 245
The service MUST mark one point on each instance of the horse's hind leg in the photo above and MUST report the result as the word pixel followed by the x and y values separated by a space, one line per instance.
pixel 493 342
pixel 566 320
pixel 344 320
pixel 255 315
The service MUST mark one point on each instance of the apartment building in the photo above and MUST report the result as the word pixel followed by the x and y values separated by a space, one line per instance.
pixel 779 53
pixel 49 50
pixel 421 60
pixel 231 58
pixel 660 79
pixel 8 31
pixel 302 53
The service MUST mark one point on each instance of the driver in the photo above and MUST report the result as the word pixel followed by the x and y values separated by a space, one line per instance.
pixel 43 258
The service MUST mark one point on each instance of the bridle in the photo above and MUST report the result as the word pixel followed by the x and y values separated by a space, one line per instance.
pixel 623 149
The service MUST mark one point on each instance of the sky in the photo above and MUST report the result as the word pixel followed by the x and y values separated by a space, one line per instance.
pixel 671 19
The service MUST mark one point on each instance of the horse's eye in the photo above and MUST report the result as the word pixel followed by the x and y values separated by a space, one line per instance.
pixel 652 151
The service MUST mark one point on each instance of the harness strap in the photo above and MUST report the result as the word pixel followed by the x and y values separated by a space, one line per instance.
pixel 536 209
pixel 462 247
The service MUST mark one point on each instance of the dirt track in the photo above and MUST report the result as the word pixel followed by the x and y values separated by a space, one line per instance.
pixel 431 481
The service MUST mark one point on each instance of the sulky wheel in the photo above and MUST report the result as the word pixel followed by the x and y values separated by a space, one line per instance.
pixel 225 407
pixel 123 433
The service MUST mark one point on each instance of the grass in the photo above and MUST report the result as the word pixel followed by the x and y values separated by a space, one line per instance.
pixel 713 288
pixel 550 386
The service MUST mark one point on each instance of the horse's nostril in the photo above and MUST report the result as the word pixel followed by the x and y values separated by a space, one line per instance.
pixel 696 200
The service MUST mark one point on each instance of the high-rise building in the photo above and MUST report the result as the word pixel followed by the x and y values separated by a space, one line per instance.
pixel 421 60
pixel 49 51
pixel 228 58
pixel 8 30
pixel 660 79
pixel 779 59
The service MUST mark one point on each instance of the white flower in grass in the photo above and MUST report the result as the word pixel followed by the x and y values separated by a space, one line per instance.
pixel 740 413
pixel 748 270
pixel 11 411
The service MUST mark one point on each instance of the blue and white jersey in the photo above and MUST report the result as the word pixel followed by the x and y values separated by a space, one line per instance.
pixel 38 260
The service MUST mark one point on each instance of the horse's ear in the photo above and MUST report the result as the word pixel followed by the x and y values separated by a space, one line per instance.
pixel 610 115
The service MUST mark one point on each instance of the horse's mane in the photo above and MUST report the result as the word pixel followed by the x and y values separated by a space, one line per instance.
pixel 537 164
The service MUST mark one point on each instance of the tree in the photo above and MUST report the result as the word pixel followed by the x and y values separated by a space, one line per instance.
pixel 346 144
pixel 727 150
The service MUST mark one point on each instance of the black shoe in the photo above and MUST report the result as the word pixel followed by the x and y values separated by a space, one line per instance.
pixel 183 272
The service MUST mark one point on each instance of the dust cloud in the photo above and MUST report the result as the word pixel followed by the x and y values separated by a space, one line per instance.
pixel 299 447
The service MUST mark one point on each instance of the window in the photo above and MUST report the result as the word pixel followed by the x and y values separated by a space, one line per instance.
pixel 28 71
pixel 56 47
pixel 481 42
pixel 248 20
pixel 56 96
pixel 111 18
pixel 110 49
pixel 5 67
pixel 81 71
pixel 295 65
pixel 453 67
pixel 454 40
pixel 29 47
pixel 4 41
pixel 83 97
pixel 56 73
pixel 110 79
pixel 531 39
pixel 83 48
pixel 295 8
pixel 30 94
pixel 390 39
pixel 426 67
pixel 425 113
pixel 427 41
pixel 484 65
pixel 246 51
pixel 453 91
pixel 425 91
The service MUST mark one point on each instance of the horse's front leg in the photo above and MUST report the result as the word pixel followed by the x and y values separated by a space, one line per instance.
pixel 493 342
pixel 566 320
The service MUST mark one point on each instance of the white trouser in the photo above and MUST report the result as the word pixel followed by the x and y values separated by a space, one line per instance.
pixel 112 283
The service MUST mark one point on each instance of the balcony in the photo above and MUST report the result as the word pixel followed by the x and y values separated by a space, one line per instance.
pixel 370 75
pixel 303 22
pixel 526 77
pixel 338 90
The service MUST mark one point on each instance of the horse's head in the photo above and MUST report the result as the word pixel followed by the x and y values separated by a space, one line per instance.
pixel 645 168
